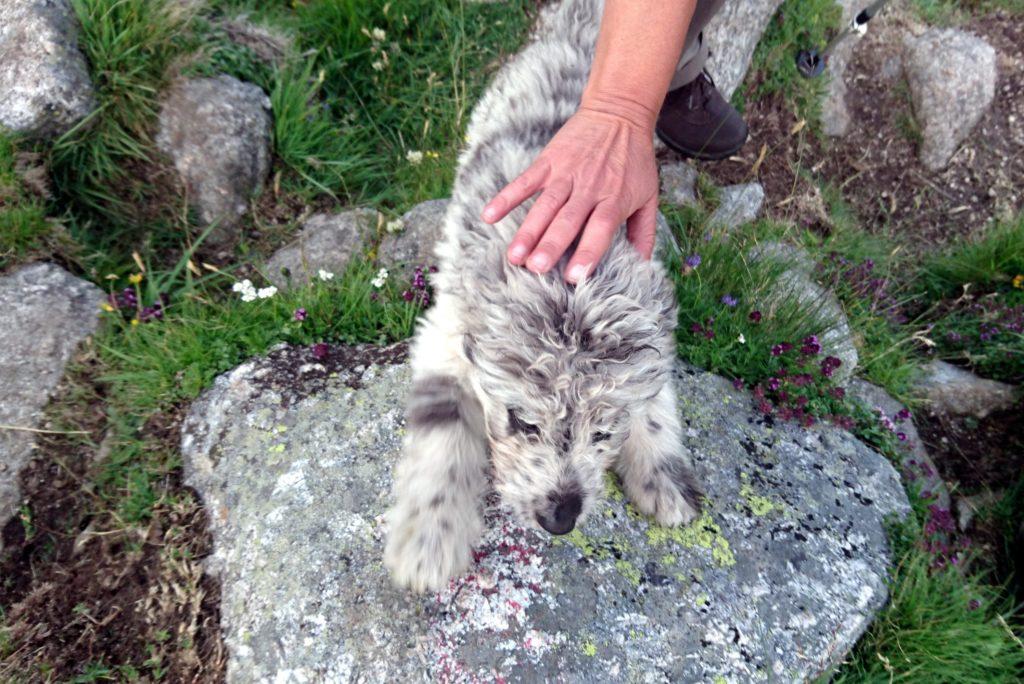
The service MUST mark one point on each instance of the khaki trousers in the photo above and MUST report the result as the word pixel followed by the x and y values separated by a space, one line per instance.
pixel 695 50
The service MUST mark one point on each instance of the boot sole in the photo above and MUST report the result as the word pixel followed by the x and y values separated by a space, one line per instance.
pixel 699 155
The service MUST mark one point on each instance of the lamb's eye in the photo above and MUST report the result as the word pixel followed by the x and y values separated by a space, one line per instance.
pixel 600 437
pixel 518 425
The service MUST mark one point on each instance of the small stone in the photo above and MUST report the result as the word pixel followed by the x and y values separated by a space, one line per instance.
pixel 739 204
pixel 422 229
pixel 927 477
pixel 45 312
pixel 44 82
pixel 952 77
pixel 679 184
pixel 955 391
pixel 327 242
pixel 782 573
pixel 217 131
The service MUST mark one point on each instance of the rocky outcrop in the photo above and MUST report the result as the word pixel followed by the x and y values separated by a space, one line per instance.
pixel 952 78
pixel 292 455
pixel 45 312
pixel 326 242
pixel 954 391
pixel 738 204
pixel 217 131
pixel 44 83
pixel 412 239
pixel 733 35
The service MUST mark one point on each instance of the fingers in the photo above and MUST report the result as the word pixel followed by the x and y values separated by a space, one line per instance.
pixel 516 192
pixel 642 226
pixel 559 235
pixel 597 237
pixel 541 214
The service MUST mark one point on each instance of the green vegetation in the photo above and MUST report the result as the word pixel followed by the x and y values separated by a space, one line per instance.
pixel 25 230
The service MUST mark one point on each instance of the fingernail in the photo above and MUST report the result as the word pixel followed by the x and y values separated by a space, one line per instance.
pixel 517 254
pixel 578 272
pixel 539 262
pixel 489 214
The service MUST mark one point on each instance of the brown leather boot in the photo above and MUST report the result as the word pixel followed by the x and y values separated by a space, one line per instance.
pixel 697 122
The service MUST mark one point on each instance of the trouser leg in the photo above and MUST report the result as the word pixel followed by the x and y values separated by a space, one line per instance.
pixel 695 50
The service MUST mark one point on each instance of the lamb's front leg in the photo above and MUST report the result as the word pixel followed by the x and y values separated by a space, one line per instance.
pixel 654 465
pixel 441 480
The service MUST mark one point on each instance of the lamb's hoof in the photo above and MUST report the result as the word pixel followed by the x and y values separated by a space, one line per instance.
pixel 425 551
pixel 670 494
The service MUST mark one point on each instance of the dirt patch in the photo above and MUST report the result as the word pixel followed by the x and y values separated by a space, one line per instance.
pixel 875 166
pixel 82 592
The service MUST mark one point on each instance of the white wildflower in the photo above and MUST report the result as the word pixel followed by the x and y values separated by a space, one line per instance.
pixel 741 339
pixel 382 277
pixel 394 226
pixel 266 292
pixel 324 275
pixel 414 157
pixel 378 35
pixel 246 289
pixel 378 65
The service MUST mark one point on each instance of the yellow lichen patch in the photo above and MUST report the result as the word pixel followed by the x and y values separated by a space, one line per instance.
pixel 612 490
pixel 588 647
pixel 702 532
pixel 703 600
pixel 719 679
pixel 629 571
pixel 758 505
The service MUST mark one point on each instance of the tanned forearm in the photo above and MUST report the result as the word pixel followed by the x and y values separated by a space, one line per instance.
pixel 637 51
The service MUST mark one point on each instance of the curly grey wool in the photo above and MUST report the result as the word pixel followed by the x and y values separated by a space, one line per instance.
pixel 525 379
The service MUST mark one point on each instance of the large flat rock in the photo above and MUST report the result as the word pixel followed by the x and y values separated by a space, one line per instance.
pixel 45 312
pixel 293 456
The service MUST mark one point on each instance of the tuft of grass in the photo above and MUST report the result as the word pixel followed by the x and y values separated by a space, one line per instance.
pixel 24 228
pixel 130 46
pixel 987 263
pixel 941 625
pixel 710 330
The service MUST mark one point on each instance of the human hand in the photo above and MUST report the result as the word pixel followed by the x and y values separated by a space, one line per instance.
pixel 596 173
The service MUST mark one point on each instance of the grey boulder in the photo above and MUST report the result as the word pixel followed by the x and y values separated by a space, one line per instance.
pixel 952 78
pixel 326 242
pixel 292 456
pixel 44 83
pixel 45 312
pixel 739 204
pixel 414 240
pixel 217 131
pixel 955 391
pixel 733 34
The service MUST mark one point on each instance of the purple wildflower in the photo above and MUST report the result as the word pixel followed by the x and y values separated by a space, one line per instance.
pixel 755 316
pixel 693 261
pixel 320 350
pixel 811 346
pixel 738 383
pixel 729 300
pixel 300 314
pixel 903 415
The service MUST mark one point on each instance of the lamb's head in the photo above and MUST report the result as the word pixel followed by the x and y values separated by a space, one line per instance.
pixel 558 372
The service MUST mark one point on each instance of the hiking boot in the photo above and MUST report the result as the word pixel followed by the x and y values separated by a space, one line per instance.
pixel 697 122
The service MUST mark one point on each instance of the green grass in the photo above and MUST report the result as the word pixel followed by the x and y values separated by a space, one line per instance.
pixel 24 228
pixel 941 625
pixel 130 46
pixel 985 264
pixel 797 25
pixel 953 12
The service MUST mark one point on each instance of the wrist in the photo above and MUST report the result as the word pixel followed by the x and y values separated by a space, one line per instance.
pixel 632 111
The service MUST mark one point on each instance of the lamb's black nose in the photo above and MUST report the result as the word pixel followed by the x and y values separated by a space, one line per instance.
pixel 565 509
